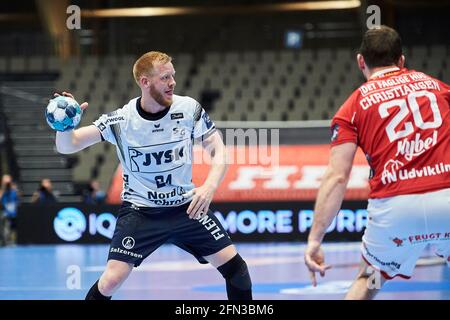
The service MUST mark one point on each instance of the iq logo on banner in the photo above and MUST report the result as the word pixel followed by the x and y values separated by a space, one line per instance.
pixel 69 224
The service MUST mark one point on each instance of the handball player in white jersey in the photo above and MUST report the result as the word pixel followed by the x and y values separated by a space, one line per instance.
pixel 154 135
pixel 400 119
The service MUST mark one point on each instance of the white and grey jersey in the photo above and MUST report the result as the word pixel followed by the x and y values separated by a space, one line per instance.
pixel 155 150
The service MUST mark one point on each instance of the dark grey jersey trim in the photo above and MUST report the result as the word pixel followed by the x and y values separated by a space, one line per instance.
pixel 115 129
pixel 197 112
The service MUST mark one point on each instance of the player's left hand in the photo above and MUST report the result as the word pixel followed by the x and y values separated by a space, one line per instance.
pixel 83 106
pixel 200 202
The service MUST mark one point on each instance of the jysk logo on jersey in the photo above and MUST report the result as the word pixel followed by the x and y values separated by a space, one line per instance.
pixel 160 157
pixel 207 120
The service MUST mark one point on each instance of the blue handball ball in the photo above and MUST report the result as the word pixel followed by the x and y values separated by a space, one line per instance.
pixel 63 113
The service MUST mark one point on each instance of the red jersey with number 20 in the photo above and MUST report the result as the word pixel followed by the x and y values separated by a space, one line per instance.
pixel 401 120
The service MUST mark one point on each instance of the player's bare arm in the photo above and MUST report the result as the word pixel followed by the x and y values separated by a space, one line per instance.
pixel 76 140
pixel 203 195
pixel 329 200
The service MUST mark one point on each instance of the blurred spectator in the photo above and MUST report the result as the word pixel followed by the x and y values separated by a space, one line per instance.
pixel 93 194
pixel 9 203
pixel 44 195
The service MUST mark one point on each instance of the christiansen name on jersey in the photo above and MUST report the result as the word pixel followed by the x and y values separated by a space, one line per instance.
pixel 155 151
pixel 401 120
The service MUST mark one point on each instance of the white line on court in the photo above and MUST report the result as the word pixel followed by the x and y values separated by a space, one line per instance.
pixel 193 265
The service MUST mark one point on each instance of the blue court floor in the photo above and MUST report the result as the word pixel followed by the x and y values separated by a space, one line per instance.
pixel 277 270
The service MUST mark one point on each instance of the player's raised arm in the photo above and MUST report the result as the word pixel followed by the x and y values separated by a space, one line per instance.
pixel 75 140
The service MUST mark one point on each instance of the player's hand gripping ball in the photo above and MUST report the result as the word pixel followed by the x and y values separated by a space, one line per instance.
pixel 63 113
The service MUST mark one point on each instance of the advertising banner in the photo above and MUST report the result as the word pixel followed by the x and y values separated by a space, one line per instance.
pixel 244 221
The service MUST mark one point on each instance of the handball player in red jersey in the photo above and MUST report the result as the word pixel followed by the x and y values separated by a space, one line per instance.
pixel 400 118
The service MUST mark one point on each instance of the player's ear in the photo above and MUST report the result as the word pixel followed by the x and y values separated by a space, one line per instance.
pixel 360 61
pixel 401 61
pixel 144 82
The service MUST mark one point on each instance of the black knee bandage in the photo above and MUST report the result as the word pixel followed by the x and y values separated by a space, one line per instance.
pixel 95 294
pixel 239 284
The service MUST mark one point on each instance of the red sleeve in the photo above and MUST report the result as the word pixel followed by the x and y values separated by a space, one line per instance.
pixel 445 91
pixel 343 127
